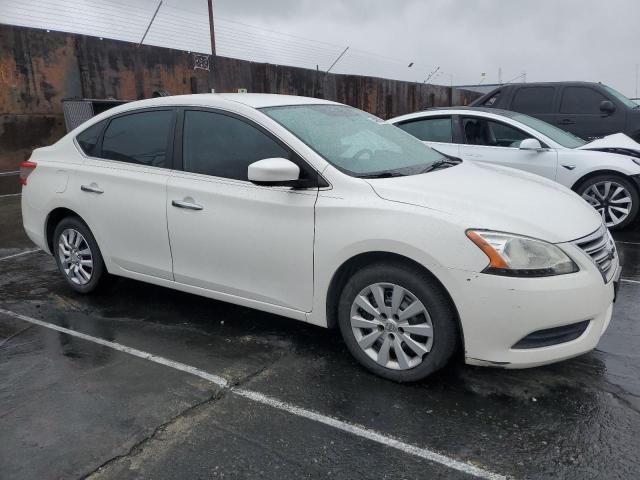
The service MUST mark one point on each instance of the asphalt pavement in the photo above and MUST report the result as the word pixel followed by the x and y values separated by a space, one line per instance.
pixel 140 381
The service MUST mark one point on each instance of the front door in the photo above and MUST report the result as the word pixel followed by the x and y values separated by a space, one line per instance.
pixel 580 113
pixel 496 142
pixel 229 235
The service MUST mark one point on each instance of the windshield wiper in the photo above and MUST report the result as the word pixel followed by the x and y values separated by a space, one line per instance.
pixel 381 175
pixel 442 163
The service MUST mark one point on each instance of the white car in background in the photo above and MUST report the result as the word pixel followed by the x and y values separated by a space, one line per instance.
pixel 605 172
pixel 325 214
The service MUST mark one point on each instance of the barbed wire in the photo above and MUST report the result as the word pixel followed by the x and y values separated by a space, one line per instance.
pixel 188 29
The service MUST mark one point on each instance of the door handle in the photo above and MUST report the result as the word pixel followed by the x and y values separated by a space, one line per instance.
pixel 93 188
pixel 474 155
pixel 566 121
pixel 186 205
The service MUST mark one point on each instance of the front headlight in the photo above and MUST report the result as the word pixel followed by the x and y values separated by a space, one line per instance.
pixel 517 256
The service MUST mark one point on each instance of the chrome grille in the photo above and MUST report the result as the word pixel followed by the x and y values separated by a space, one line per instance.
pixel 601 248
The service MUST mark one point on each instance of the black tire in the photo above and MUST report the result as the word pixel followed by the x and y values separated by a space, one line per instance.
pixel 98 272
pixel 426 289
pixel 624 182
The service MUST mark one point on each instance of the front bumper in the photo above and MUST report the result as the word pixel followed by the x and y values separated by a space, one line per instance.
pixel 497 312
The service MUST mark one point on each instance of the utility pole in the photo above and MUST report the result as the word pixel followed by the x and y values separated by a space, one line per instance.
pixel 211 29
pixel 212 63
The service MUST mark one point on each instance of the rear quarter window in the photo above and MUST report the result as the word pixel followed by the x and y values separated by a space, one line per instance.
pixel 89 138
pixel 491 101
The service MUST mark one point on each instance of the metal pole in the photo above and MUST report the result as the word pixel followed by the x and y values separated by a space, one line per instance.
pixel 149 26
pixel 211 29
pixel 213 64
pixel 337 59
pixel 637 80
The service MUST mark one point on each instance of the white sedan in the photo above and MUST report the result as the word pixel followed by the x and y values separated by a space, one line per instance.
pixel 605 172
pixel 325 214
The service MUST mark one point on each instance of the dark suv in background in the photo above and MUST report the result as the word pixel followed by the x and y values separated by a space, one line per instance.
pixel 588 110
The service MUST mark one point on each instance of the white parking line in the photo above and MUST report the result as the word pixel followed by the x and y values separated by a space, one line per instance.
pixel 221 382
pixel 362 432
pixel 628 280
pixel 21 253
pixel 369 435
pixel 628 243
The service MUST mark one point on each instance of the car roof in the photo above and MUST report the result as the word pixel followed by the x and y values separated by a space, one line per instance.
pixel 507 86
pixel 260 100
pixel 457 110
pixel 253 100
pixel 544 84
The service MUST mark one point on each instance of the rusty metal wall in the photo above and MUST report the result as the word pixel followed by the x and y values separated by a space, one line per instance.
pixel 38 69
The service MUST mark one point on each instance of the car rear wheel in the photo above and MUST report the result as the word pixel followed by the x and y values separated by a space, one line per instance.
pixel 614 198
pixel 78 256
pixel 397 322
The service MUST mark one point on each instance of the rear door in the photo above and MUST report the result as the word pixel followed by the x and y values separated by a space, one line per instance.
pixel 122 189
pixel 436 131
pixel 492 141
pixel 230 235
pixel 580 114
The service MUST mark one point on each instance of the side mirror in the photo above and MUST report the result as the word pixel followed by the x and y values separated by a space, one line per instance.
pixel 530 144
pixel 274 172
pixel 607 106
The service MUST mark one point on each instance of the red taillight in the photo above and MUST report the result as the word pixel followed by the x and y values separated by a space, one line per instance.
pixel 25 170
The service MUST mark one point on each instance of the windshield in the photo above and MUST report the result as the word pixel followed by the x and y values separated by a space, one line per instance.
pixel 559 136
pixel 620 97
pixel 355 142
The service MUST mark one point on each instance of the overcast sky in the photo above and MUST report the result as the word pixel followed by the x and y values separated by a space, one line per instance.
pixel 594 40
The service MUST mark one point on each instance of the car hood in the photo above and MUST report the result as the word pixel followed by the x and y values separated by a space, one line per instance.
pixel 492 197
pixel 616 143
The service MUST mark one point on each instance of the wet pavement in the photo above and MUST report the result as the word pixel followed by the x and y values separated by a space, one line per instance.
pixel 70 408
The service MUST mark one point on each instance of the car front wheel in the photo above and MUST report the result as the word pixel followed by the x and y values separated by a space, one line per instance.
pixel 615 198
pixel 397 322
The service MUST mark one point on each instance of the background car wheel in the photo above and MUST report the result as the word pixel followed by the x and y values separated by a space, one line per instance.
pixel 397 322
pixel 78 256
pixel 614 197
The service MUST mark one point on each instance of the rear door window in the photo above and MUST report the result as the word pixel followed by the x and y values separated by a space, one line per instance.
pixel 533 100
pixel 582 100
pixel 430 129
pixel 142 138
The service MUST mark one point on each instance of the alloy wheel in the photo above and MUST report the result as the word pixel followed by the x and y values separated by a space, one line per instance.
pixel 611 199
pixel 391 326
pixel 75 256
